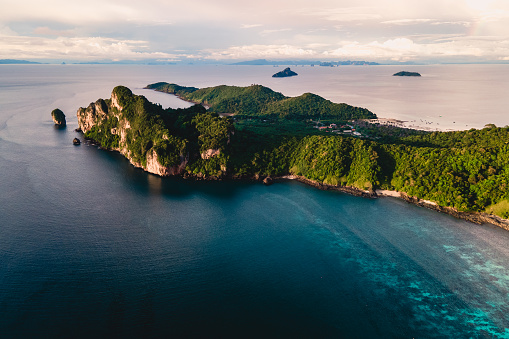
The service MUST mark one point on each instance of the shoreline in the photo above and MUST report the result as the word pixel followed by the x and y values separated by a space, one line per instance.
pixel 477 218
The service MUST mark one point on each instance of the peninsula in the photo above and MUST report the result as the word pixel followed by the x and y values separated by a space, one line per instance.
pixel 261 101
pixel 462 173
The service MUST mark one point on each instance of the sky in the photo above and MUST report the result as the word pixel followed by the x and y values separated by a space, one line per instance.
pixel 429 31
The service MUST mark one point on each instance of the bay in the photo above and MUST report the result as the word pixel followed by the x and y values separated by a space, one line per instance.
pixel 93 247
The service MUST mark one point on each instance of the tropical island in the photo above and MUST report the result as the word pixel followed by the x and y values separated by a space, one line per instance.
pixel 406 74
pixel 261 133
pixel 287 72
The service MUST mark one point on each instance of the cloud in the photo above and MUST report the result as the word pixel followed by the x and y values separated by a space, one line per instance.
pixel 48 31
pixel 403 22
pixel 7 31
pixel 250 26
pixel 403 49
pixel 270 31
pixel 85 48
pixel 343 14
pixel 398 49
pixel 226 29
pixel 259 51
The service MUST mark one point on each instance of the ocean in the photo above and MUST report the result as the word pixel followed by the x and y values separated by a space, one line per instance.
pixel 92 247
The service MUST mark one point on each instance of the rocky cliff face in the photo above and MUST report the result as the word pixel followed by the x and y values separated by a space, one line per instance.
pixel 210 153
pixel 93 115
pixel 105 120
pixel 155 167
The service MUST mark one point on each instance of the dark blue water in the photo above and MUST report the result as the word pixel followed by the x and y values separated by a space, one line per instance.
pixel 92 247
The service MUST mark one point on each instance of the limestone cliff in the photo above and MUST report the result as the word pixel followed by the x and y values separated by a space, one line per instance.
pixel 105 120
pixel 92 115
pixel 161 141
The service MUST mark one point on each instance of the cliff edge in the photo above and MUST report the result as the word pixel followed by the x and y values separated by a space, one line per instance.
pixel 161 141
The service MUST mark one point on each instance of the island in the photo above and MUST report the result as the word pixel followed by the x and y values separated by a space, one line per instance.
pixel 58 117
pixel 287 72
pixel 255 133
pixel 406 74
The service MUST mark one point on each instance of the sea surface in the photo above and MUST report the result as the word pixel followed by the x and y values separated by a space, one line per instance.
pixel 91 247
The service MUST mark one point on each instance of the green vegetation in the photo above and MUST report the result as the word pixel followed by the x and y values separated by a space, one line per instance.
pixel 467 170
pixel 257 100
pixel 58 117
pixel 173 134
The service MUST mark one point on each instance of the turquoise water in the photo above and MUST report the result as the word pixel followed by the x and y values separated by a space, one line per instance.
pixel 92 247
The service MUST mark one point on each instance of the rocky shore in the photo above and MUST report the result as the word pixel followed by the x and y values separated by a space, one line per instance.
pixel 474 217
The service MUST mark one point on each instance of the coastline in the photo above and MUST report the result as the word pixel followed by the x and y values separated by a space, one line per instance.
pixel 180 97
pixel 478 218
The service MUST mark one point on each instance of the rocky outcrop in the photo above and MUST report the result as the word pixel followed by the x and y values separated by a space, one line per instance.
pixel 268 181
pixel 287 72
pixel 92 115
pixel 58 117
pixel 101 111
pixel 210 153
pixel 76 141
pixel 154 166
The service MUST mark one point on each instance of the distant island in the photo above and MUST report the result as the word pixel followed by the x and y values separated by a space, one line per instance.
pixel 406 74
pixel 265 62
pixel 287 72
pixel 273 137
pixel 15 62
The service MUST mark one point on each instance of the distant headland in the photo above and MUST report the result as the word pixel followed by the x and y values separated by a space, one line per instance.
pixel 17 62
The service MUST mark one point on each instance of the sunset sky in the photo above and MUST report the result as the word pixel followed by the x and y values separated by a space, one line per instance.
pixel 225 30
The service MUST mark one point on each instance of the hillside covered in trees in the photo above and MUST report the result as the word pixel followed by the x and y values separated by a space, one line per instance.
pixel 260 101
pixel 465 170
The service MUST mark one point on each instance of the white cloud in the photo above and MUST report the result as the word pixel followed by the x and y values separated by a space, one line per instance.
pixel 399 49
pixel 405 49
pixel 86 48
pixel 250 26
pixel 137 29
pixel 342 14
pixel 260 51
pixel 270 31
pixel 403 22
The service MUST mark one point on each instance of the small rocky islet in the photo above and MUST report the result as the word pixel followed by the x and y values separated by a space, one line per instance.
pixel 287 72
pixel 58 117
